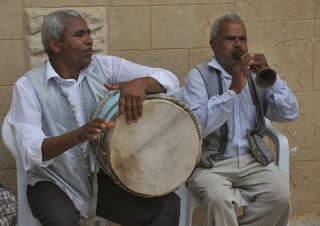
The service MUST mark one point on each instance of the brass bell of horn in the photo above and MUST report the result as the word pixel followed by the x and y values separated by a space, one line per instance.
pixel 266 78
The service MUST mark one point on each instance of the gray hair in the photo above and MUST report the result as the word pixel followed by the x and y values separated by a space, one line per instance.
pixel 52 26
pixel 216 24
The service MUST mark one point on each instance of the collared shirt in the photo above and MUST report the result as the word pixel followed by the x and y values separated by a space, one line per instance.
pixel 237 109
pixel 25 116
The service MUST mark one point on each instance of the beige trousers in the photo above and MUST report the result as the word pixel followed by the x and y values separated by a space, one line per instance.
pixel 236 181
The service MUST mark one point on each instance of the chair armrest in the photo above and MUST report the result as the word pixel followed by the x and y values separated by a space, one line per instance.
pixel 281 144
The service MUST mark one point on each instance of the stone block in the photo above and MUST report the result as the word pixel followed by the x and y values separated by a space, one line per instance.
pixel 309 103
pixel 175 60
pixel 305 185
pixel 288 47
pixel 6 160
pixel 12 61
pixel 73 3
pixel 126 2
pixel 5 99
pixel 275 10
pixel 317 128
pixel 9 180
pixel 129 28
pixel 11 16
pixel 1 122
pixel 306 220
pixel 306 144
pixel 189 2
pixel 184 26
pixel 263 36
pixel 316 71
pixel 96 19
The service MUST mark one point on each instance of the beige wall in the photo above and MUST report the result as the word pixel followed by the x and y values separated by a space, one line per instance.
pixel 174 34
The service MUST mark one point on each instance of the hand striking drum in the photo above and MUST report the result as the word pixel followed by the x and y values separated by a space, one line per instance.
pixel 154 156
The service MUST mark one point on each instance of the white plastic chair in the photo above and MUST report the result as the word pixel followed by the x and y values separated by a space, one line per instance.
pixel 189 202
pixel 25 217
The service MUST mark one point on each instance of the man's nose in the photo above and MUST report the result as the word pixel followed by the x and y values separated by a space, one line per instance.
pixel 236 42
pixel 89 39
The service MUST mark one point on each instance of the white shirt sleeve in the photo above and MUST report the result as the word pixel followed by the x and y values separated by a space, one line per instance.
pixel 26 123
pixel 121 70
pixel 282 104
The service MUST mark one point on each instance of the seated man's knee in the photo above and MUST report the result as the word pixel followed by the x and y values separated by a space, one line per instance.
pixel 279 193
pixel 51 205
pixel 283 195
pixel 217 197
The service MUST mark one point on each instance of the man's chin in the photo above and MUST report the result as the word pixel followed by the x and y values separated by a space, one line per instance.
pixel 85 63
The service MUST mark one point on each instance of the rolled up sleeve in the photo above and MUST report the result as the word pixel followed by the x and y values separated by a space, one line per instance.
pixel 26 123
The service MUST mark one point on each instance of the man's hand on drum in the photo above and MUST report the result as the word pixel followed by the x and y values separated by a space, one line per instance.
pixel 131 97
pixel 91 130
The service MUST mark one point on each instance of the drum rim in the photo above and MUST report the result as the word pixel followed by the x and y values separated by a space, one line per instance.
pixel 106 160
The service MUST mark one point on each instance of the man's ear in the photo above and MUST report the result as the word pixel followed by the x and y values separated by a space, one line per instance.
pixel 213 43
pixel 55 45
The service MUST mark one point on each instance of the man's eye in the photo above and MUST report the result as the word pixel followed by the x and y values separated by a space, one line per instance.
pixel 79 34
pixel 229 38
pixel 82 33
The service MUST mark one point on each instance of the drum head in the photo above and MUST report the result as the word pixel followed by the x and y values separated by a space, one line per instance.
pixel 154 156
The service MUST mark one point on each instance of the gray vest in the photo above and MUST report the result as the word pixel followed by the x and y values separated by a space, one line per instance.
pixel 70 170
pixel 216 142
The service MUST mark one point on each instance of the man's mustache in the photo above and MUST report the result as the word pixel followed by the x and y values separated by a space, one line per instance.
pixel 237 53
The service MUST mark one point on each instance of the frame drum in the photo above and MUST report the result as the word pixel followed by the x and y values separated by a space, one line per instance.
pixel 153 156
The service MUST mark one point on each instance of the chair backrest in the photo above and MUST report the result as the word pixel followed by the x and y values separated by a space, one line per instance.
pixel 25 217
pixel 8 138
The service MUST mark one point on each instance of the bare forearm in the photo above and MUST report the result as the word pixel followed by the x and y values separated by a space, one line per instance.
pixel 151 85
pixel 54 146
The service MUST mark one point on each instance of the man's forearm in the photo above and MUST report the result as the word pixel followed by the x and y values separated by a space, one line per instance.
pixel 152 86
pixel 54 146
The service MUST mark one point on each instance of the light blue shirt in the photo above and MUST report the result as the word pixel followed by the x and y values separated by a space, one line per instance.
pixel 237 109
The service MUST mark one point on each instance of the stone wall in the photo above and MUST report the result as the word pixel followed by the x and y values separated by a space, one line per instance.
pixel 174 34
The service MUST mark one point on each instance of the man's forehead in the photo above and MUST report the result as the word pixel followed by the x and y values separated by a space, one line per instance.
pixel 74 24
pixel 231 27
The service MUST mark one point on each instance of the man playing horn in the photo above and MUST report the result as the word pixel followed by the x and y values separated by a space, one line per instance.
pixel 222 95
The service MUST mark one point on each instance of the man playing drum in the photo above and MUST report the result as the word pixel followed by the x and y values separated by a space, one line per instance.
pixel 50 116
pixel 227 109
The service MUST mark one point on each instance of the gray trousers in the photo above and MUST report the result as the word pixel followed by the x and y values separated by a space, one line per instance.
pixel 237 181
pixel 52 207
